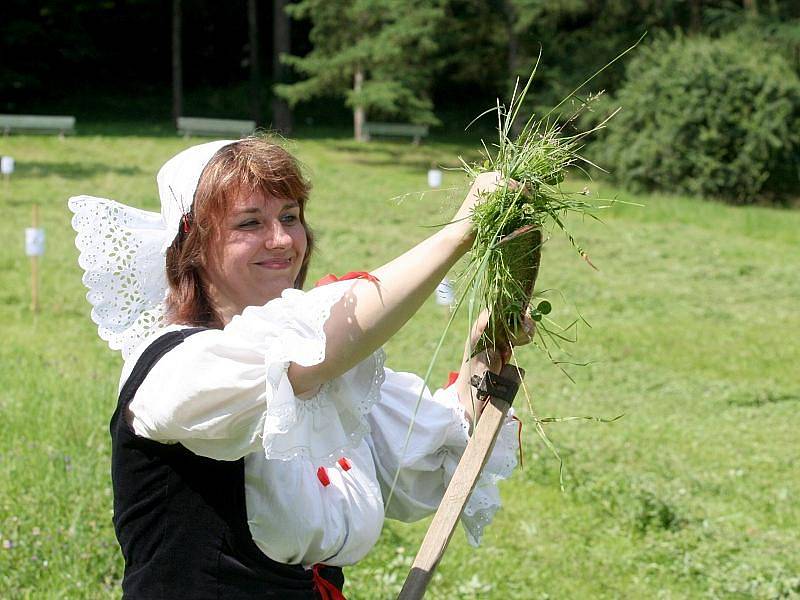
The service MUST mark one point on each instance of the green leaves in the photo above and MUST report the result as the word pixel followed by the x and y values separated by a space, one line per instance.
pixel 391 43
pixel 703 117
pixel 544 307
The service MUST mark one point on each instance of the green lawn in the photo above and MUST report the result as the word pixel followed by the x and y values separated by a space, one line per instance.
pixel 694 493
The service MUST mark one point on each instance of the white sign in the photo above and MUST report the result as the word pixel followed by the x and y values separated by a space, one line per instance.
pixel 7 165
pixel 445 296
pixel 34 241
pixel 434 178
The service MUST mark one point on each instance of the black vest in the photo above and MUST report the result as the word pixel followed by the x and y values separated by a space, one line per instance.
pixel 181 519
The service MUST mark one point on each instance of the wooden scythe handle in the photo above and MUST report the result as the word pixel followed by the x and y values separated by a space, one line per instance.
pixel 455 497
pixel 522 251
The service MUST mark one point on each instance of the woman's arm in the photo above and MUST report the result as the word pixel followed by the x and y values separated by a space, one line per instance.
pixel 371 313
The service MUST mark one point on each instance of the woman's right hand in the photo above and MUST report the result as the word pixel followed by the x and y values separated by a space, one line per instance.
pixel 484 184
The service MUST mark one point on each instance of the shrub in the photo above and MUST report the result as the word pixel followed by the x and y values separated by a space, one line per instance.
pixel 707 117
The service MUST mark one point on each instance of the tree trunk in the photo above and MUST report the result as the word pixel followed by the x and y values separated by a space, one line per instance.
pixel 358 111
pixel 751 6
pixel 255 65
pixel 281 44
pixel 177 63
pixel 696 16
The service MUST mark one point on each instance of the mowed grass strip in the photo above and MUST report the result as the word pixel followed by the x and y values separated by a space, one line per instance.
pixel 693 493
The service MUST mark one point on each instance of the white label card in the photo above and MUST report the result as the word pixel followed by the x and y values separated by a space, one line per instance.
pixel 34 241
pixel 445 295
pixel 434 178
pixel 7 165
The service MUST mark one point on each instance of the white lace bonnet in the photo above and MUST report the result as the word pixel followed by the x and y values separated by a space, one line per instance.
pixel 123 250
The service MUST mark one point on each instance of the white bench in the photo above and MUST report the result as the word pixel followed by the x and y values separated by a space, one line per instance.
pixel 416 132
pixel 60 124
pixel 214 127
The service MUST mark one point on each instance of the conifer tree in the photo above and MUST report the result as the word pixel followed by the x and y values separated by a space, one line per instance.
pixel 377 54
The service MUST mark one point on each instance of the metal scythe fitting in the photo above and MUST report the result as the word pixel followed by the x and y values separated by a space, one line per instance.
pixel 496 386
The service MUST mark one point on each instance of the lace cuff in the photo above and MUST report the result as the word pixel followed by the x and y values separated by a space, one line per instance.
pixel 484 501
pixel 322 428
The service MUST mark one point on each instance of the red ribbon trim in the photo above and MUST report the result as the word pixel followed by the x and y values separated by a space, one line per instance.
pixel 331 278
pixel 322 475
pixel 451 378
pixel 326 589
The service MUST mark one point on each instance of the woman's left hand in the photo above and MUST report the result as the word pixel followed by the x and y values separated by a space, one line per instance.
pixel 492 359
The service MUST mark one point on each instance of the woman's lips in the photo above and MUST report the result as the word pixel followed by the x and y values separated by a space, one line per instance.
pixel 275 263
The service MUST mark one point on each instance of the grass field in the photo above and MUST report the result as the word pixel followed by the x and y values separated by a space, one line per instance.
pixel 694 493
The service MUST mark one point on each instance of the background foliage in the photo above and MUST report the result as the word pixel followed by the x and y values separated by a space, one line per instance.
pixel 442 62
pixel 391 43
pixel 704 118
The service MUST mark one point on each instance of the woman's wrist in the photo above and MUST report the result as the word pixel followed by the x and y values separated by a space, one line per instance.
pixel 461 234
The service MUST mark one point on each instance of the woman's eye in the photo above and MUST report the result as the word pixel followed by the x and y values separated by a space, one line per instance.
pixel 248 223
pixel 289 218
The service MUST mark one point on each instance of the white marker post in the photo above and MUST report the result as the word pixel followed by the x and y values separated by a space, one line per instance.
pixel 434 178
pixel 34 247
pixel 445 295
pixel 6 167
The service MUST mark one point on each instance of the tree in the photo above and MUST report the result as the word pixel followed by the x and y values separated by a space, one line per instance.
pixel 177 62
pixel 255 63
pixel 490 43
pixel 281 45
pixel 377 54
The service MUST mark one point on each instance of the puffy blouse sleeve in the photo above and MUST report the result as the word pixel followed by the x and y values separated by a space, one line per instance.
pixel 225 393
pixel 417 440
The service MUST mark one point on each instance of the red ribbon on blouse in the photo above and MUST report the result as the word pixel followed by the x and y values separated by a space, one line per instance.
pixel 326 589
pixel 331 278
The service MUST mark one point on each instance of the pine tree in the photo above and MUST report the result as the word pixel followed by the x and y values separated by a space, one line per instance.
pixel 377 54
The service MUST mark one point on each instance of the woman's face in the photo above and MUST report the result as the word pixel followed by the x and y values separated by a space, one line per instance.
pixel 257 254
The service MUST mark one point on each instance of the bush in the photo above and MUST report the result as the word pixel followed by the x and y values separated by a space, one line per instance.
pixel 707 117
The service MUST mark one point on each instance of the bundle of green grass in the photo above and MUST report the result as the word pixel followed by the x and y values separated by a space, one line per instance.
pixel 513 221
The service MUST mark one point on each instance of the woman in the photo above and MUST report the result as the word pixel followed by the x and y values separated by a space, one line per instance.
pixel 258 435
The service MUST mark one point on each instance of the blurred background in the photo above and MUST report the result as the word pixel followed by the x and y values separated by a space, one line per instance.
pixel 693 311
pixel 710 98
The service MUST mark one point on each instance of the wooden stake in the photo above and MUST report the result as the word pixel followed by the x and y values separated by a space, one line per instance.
pixel 455 497
pixel 35 267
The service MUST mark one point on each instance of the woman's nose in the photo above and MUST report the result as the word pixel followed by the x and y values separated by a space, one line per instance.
pixel 277 236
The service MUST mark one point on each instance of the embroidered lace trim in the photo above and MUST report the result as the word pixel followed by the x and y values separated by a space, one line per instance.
pixel 326 426
pixel 120 252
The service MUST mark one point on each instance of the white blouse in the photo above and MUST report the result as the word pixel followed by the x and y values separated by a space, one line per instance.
pixel 224 394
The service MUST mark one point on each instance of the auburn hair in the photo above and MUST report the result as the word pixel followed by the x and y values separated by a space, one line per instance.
pixel 254 164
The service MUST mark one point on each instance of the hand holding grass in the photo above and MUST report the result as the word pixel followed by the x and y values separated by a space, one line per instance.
pixel 489 359
pixel 484 185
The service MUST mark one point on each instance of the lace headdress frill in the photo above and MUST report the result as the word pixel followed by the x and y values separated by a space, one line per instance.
pixel 123 249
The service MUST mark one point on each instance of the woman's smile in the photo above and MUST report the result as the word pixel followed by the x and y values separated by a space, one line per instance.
pixel 277 264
